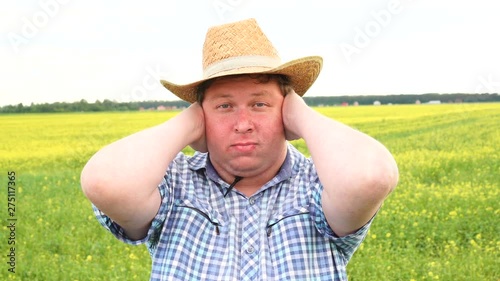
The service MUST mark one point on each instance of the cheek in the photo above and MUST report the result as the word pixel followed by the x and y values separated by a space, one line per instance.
pixel 276 122
pixel 279 128
pixel 216 128
pixel 272 127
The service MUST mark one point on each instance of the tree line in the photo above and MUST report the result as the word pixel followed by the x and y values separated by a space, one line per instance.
pixel 401 99
pixel 97 106
pixel 108 105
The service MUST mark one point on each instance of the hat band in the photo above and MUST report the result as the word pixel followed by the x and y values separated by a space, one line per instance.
pixel 240 62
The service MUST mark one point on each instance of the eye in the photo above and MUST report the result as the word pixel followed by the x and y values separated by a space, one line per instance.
pixel 224 106
pixel 260 104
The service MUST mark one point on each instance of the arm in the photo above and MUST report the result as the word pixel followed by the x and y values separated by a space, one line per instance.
pixel 357 172
pixel 122 178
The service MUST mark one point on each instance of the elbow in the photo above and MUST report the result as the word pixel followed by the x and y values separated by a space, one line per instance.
pixel 88 183
pixel 92 184
pixel 385 175
pixel 378 175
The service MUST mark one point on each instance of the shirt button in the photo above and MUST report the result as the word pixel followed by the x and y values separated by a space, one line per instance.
pixel 250 250
pixel 252 201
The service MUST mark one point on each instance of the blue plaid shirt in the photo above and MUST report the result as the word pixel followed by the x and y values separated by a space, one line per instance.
pixel 279 233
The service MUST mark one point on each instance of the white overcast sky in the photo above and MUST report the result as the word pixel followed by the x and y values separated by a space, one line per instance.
pixel 68 50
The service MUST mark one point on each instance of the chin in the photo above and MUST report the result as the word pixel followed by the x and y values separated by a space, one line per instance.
pixel 241 168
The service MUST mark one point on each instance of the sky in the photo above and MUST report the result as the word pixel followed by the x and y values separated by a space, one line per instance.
pixel 68 50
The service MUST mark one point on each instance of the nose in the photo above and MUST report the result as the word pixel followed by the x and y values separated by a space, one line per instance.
pixel 243 122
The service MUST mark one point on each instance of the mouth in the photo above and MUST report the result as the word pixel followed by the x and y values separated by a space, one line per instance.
pixel 244 146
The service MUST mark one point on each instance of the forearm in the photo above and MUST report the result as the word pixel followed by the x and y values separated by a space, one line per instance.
pixel 356 171
pixel 136 162
pixel 345 157
pixel 122 178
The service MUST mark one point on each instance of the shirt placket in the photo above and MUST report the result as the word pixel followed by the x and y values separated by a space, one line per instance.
pixel 250 240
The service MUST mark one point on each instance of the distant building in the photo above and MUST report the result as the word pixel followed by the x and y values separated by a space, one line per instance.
pixel 434 102
pixel 417 102
pixel 356 103
pixel 376 102
pixel 345 104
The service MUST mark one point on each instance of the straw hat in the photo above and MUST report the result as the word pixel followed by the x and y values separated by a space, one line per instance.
pixel 241 47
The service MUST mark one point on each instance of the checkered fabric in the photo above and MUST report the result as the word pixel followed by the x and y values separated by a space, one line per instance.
pixel 279 233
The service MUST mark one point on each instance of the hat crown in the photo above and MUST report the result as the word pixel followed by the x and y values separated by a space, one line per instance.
pixel 233 42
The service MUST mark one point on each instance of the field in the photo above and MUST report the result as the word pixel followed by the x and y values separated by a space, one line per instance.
pixel 441 223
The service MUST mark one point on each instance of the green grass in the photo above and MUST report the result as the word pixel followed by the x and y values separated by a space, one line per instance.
pixel 441 222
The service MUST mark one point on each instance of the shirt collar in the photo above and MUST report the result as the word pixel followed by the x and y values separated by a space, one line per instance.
pixel 202 161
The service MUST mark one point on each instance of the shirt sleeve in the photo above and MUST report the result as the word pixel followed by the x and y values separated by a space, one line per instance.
pixel 154 231
pixel 346 245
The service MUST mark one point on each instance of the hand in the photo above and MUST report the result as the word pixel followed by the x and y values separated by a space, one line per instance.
pixel 197 116
pixel 292 110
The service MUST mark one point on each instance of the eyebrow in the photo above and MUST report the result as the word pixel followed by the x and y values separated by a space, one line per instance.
pixel 262 93
pixel 256 94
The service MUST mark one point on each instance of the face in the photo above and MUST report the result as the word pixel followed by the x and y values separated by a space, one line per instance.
pixel 244 128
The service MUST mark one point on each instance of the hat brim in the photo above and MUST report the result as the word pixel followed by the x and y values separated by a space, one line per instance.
pixel 301 72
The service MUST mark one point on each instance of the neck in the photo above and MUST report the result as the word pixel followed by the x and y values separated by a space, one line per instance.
pixel 252 181
pixel 250 185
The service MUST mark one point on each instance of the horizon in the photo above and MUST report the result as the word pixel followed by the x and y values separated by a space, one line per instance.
pixel 306 97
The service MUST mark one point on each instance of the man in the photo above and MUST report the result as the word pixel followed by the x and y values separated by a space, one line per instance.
pixel 251 207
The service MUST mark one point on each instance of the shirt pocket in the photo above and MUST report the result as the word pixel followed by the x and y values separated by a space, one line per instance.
pixel 295 248
pixel 286 218
pixel 191 242
pixel 197 212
